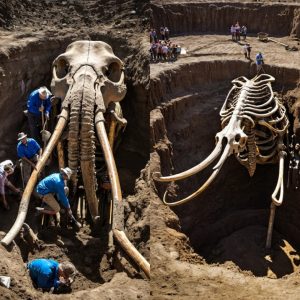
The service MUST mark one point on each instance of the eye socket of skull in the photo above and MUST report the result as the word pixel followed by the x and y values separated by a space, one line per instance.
pixel 237 138
pixel 113 72
pixel 61 68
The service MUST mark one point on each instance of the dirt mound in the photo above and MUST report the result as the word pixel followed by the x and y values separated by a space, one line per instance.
pixel 70 13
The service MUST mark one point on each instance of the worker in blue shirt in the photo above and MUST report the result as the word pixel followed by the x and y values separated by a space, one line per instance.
pixel 50 274
pixel 54 184
pixel 29 151
pixel 259 62
pixel 38 103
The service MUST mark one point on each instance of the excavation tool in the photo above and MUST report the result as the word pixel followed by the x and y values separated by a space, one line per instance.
pixel 45 133
pixel 263 37
pixel 22 173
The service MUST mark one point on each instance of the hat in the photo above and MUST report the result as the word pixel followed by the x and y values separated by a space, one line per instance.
pixel 8 166
pixel 67 171
pixel 44 91
pixel 21 136
pixel 7 163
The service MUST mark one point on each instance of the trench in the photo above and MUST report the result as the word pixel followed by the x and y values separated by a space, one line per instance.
pixel 217 16
pixel 228 222
pixel 25 66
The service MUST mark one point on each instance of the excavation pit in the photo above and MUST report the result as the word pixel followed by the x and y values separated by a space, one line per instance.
pixel 26 65
pixel 227 224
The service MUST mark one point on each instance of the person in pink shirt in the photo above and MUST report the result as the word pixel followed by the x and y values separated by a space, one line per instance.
pixel 6 169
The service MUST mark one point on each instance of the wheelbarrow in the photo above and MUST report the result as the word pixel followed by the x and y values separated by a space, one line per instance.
pixel 264 37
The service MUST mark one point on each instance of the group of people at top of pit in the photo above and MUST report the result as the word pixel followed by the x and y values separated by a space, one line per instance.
pixel 237 32
pixel 44 273
pixel 162 49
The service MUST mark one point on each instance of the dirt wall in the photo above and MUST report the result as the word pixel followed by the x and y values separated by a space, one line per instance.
pixel 275 19
pixel 195 75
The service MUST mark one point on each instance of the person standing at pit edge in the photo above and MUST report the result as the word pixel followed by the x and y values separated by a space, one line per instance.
pixel 38 103
pixel 259 62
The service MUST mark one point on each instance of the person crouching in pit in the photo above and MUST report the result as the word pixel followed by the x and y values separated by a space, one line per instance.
pixel 54 184
pixel 49 274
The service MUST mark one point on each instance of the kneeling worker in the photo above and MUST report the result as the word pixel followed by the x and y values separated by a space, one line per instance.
pixel 54 184
pixel 49 274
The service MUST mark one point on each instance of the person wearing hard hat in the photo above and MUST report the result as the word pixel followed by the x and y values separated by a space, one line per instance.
pixel 38 103
pixel 6 169
pixel 50 274
pixel 51 185
pixel 29 152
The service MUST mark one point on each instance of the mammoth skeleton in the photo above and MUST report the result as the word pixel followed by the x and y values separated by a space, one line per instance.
pixel 254 124
pixel 89 80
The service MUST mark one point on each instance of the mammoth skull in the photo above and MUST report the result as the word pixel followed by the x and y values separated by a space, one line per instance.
pixel 87 78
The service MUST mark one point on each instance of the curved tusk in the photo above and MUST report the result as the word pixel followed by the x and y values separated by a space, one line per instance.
pixel 279 185
pixel 109 158
pixel 116 192
pixel 222 159
pixel 62 121
pixel 214 154
pixel 132 251
pixel 196 193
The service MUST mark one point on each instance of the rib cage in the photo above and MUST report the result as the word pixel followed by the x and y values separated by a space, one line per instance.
pixel 262 118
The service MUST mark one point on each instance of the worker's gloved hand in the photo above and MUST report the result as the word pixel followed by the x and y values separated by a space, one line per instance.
pixel 47 115
pixel 41 109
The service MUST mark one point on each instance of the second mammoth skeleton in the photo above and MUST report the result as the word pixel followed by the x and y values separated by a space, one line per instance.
pixel 254 124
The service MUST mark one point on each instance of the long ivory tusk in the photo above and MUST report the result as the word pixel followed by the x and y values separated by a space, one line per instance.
pixel 132 251
pixel 110 161
pixel 196 193
pixel 215 153
pixel 116 191
pixel 62 121
pixel 279 185
pixel 222 159
pixel 275 201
